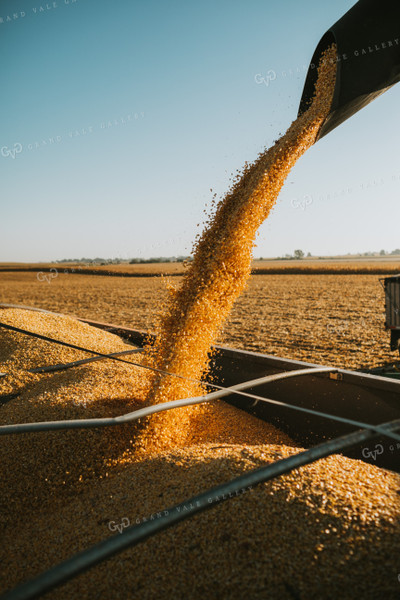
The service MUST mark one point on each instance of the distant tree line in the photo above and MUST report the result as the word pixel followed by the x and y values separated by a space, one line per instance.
pixel 160 259
pixel 97 260
pixel 297 255
pixel 117 261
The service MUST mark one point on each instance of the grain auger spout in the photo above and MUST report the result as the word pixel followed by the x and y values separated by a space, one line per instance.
pixel 367 39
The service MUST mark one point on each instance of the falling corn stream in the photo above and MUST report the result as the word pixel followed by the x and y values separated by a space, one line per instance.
pixel 195 312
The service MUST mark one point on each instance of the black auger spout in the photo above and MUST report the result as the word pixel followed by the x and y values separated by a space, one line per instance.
pixel 367 39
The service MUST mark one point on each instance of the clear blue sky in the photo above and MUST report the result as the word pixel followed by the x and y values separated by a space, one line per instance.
pixel 152 104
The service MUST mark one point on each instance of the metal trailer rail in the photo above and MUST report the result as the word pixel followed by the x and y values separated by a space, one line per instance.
pixel 343 393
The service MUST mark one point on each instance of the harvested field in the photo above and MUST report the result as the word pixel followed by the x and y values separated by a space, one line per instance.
pixel 327 319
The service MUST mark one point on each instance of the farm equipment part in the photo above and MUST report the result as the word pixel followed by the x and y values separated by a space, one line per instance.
pixel 368 59
pixel 391 286
pixel 391 371
pixel 345 394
